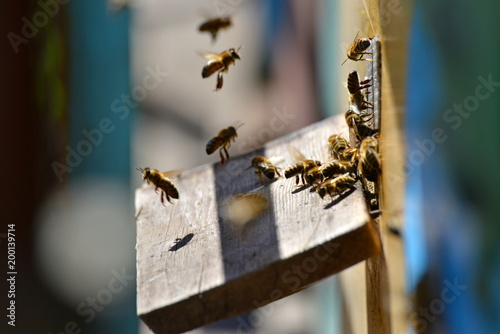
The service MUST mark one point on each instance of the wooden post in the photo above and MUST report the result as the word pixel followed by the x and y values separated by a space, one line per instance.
pixel 195 267
pixel 387 304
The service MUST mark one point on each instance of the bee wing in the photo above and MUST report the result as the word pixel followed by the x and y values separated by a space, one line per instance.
pixel 295 154
pixel 276 159
pixel 207 54
pixel 355 38
pixel 172 174
pixel 206 14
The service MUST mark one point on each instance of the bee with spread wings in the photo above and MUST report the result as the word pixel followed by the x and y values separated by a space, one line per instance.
pixel 301 166
pixel 219 63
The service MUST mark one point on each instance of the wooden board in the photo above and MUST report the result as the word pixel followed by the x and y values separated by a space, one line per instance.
pixel 387 302
pixel 215 270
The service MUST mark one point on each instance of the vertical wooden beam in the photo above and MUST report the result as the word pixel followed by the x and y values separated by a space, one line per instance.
pixel 386 299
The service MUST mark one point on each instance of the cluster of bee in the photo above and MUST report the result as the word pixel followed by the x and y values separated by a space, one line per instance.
pixel 351 160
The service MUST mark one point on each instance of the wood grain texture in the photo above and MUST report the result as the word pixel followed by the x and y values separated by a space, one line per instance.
pixel 387 302
pixel 216 270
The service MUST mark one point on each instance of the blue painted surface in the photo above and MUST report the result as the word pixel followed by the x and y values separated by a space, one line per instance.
pixel 449 227
pixel 99 74
pixel 98 43
pixel 421 107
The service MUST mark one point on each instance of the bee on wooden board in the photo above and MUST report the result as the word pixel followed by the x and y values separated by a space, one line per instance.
pixel 351 155
pixel 213 25
pixel 369 159
pixel 356 96
pixel 265 166
pixel 357 49
pixel 243 208
pixel 301 166
pixel 314 175
pixel 328 170
pixel 161 181
pixel 336 186
pixel 340 149
pixel 219 63
pixel 222 142
pixel 358 125
pixel 336 168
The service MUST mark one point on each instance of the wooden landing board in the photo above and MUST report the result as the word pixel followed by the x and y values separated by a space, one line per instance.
pixel 214 270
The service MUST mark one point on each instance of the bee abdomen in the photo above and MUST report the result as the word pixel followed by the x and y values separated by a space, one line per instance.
pixel 212 145
pixel 210 69
pixel 353 82
pixel 173 192
pixel 362 45
pixel 293 170
pixel 269 173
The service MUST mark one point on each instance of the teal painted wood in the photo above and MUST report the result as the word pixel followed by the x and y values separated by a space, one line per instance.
pixel 98 76
pixel 99 124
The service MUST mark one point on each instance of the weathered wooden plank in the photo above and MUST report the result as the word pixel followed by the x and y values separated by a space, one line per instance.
pixel 387 302
pixel 217 270
pixel 364 311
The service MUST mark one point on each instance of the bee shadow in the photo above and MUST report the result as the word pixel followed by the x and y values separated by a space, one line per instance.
pixel 179 243
pixel 339 198
pixel 301 188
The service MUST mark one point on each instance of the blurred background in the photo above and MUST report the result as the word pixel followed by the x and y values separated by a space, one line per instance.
pixel 91 90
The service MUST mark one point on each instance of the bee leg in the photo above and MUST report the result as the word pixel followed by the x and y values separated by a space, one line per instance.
pixel 161 197
pixel 296 180
pixel 220 81
pixel 222 160
pixel 168 198
pixel 259 174
pixel 227 153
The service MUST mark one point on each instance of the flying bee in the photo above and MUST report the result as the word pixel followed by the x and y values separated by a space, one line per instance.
pixel 336 186
pixel 301 166
pixel 356 96
pixel 265 166
pixel 219 63
pixel 243 208
pixel 213 26
pixel 161 181
pixel 356 50
pixel 337 167
pixel 369 159
pixel 358 125
pixel 223 141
